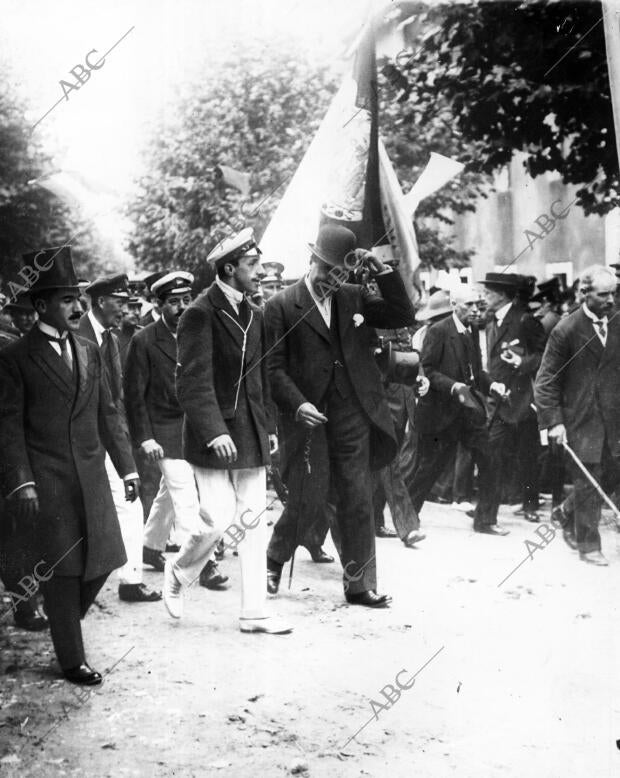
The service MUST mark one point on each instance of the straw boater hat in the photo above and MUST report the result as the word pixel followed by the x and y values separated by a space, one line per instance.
pixel 438 304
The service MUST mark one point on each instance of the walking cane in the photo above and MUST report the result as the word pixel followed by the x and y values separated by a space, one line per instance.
pixel 592 480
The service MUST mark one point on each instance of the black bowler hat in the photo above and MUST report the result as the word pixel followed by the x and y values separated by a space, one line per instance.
pixel 109 286
pixel 333 244
pixel 55 269
pixel 502 281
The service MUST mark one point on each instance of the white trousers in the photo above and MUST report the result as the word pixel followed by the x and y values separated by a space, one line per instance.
pixel 229 498
pixel 176 502
pixel 130 517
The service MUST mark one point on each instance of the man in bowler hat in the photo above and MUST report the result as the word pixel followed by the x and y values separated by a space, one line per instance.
pixel 334 422
pixel 57 421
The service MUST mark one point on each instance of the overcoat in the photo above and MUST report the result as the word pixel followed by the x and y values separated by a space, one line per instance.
pixel 221 382
pixel 153 411
pixel 55 427
pixel 445 360
pixel 578 385
pixel 519 325
pixel 86 330
pixel 301 358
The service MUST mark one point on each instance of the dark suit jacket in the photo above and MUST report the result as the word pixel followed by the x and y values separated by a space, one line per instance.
pixel 445 361
pixel 153 410
pixel 519 325
pixel 213 399
pixel 300 356
pixel 579 385
pixel 55 428
pixel 116 387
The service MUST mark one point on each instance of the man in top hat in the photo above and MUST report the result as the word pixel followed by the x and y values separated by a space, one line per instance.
pixel 8 331
pixel 109 296
pixel 228 430
pixel 272 282
pixel 578 403
pixel 156 421
pixel 454 409
pixel 57 420
pixel 334 423
pixel 515 343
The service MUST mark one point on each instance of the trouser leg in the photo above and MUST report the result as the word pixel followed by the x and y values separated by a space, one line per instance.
pixel 251 500
pixel 477 442
pixel 159 522
pixel 348 436
pixel 130 519
pixel 62 597
pixel 217 500
pixel 587 509
pixel 528 454
pixel 434 451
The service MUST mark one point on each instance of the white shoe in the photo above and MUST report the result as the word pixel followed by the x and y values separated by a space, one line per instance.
pixel 463 506
pixel 271 625
pixel 173 592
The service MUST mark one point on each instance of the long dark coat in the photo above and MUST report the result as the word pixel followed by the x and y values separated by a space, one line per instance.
pixel 578 385
pixel 445 360
pixel 519 325
pixel 153 411
pixel 55 428
pixel 214 399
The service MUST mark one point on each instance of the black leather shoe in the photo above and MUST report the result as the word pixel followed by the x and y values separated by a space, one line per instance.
pixel 319 556
pixel 369 598
pixel 172 548
pixel 210 576
pixel 219 551
pixel 137 593
pixel 84 675
pixel 384 532
pixel 531 516
pixel 491 529
pixel 153 558
pixel 273 581
pixel 30 619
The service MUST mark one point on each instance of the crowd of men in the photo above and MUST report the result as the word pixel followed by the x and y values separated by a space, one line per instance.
pixel 137 420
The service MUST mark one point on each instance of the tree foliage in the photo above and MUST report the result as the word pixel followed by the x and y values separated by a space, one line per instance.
pixel 520 76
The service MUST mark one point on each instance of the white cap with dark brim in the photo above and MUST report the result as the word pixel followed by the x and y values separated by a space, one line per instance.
pixel 177 282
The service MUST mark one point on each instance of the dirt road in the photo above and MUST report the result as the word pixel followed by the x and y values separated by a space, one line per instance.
pixel 523 678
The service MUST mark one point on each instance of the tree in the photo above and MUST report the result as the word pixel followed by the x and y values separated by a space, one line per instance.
pixel 30 216
pixel 520 76
pixel 254 115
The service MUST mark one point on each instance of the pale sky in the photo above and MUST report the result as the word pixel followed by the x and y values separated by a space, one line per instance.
pixel 100 130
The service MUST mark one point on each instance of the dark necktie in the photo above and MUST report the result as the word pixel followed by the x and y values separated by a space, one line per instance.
pixel 601 328
pixel 63 344
pixel 107 354
pixel 244 313
pixel 469 350
pixel 491 332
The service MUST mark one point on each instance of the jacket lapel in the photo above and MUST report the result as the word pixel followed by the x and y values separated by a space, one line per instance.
pixel 588 338
pixel 343 310
pixel 226 314
pixel 501 331
pixel 165 341
pixel 308 310
pixel 49 362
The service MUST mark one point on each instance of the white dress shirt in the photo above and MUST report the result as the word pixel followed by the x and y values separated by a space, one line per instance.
pixel 500 314
pixel 594 319
pixel 234 296
pixel 323 303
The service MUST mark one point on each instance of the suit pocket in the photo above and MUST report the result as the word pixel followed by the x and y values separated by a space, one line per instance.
pixel 228 413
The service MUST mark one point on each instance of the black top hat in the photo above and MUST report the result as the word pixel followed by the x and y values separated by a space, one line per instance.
pixel 333 244
pixel 510 281
pixel 55 268
pixel 109 286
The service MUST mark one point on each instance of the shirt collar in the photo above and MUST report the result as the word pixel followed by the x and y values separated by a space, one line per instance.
pixel 233 295
pixel 460 327
pixel 592 316
pixel 325 299
pixel 500 314
pixel 51 332
pixel 98 327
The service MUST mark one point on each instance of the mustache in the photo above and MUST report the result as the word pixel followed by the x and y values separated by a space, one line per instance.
pixel 75 317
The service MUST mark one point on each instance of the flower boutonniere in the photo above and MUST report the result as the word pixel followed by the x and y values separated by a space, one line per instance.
pixel 357 319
